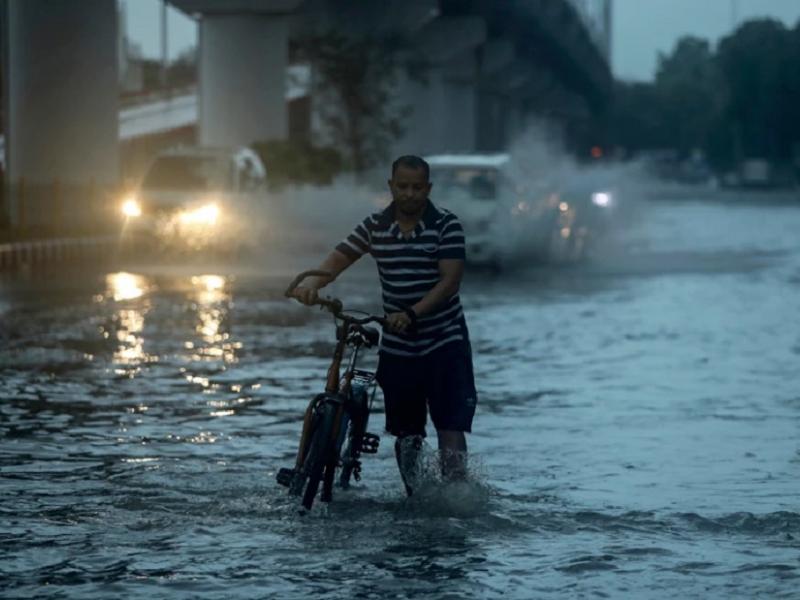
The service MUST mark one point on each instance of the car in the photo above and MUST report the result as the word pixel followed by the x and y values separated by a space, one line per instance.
pixel 195 197
pixel 513 218
pixel 504 219
pixel 581 220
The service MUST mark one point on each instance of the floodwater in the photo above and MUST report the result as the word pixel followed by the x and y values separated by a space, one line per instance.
pixel 636 435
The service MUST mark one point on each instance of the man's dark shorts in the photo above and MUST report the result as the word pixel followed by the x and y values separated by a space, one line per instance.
pixel 441 382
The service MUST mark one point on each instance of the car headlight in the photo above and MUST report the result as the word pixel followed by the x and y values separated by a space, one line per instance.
pixel 205 215
pixel 131 207
pixel 601 199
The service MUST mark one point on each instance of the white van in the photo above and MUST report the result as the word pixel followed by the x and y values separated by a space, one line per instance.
pixel 504 221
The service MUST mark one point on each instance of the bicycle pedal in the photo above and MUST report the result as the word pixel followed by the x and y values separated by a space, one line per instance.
pixel 285 476
pixel 370 443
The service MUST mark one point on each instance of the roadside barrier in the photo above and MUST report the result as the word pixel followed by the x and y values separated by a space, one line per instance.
pixel 17 255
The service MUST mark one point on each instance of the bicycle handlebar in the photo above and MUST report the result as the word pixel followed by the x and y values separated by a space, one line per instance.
pixel 333 305
pixel 304 275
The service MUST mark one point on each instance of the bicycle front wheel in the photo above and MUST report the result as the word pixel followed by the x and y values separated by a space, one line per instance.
pixel 319 451
pixel 348 461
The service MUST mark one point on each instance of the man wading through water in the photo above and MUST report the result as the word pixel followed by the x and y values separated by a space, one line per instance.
pixel 425 362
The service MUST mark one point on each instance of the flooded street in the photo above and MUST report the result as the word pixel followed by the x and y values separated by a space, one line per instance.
pixel 636 435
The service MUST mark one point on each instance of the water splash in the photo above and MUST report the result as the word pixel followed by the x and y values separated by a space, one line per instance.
pixel 437 495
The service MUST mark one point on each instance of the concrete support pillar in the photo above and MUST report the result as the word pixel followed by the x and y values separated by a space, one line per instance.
pixel 460 103
pixel 493 95
pixel 62 108
pixel 242 70
pixel 444 109
pixel 515 120
pixel 491 122
pixel 425 126
pixel 443 114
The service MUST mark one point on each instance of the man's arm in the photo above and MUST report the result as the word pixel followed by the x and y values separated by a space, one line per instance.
pixel 451 271
pixel 334 263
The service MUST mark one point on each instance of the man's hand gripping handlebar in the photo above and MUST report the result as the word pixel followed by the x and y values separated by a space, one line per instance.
pixel 308 295
pixel 333 305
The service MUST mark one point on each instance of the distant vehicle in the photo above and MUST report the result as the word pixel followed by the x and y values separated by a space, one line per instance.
pixel 470 185
pixel 755 172
pixel 517 219
pixel 505 221
pixel 196 197
pixel 587 207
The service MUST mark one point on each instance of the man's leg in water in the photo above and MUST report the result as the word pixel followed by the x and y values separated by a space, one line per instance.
pixel 406 412
pixel 453 454
pixel 407 451
pixel 450 388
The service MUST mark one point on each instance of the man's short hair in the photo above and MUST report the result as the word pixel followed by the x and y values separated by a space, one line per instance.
pixel 412 162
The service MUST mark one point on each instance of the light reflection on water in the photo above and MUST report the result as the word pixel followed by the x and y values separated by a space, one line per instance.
pixel 212 302
pixel 636 433
pixel 123 288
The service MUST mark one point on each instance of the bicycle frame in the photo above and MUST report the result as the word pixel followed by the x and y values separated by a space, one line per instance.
pixel 348 405
pixel 334 392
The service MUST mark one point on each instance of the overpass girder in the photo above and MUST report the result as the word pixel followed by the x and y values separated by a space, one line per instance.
pixel 367 19
pixel 550 35
pixel 237 7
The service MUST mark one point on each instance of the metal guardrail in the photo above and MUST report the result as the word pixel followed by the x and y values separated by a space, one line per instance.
pixel 17 255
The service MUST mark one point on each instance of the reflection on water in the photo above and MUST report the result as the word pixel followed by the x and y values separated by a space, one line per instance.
pixel 128 320
pixel 125 286
pixel 131 348
pixel 210 289
pixel 212 302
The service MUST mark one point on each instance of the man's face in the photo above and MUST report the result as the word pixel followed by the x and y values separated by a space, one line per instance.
pixel 410 189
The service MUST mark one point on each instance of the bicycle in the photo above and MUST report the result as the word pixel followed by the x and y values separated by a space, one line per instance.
pixel 334 430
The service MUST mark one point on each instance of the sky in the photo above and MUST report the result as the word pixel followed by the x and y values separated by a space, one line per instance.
pixel 641 28
pixel 143 24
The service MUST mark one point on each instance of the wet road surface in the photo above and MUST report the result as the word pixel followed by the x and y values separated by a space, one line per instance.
pixel 636 436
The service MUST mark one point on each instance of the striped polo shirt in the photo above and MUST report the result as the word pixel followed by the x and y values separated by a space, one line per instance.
pixel 408 269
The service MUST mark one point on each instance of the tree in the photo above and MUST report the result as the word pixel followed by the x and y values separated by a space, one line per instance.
pixel 689 94
pixel 741 101
pixel 760 72
pixel 637 119
pixel 355 80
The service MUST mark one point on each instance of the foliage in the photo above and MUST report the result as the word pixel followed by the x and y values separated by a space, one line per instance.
pixel 637 119
pixel 760 65
pixel 688 86
pixel 355 79
pixel 740 100
pixel 182 72
pixel 295 161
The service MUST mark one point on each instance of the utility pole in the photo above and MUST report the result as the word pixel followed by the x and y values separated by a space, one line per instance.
pixel 608 11
pixel 5 209
pixel 734 15
pixel 164 47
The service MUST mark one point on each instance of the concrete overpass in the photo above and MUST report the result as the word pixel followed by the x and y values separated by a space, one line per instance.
pixel 490 66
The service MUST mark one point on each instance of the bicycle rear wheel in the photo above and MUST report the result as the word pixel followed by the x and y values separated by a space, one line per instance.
pixel 319 451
